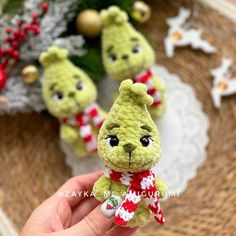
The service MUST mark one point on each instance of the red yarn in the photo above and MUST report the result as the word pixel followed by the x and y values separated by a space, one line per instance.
pixel 141 185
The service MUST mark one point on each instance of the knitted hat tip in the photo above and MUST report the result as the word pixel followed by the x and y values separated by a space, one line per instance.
pixel 113 15
pixel 138 89
pixel 52 55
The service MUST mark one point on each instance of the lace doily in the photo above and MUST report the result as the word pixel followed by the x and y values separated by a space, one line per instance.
pixel 6 227
pixel 183 131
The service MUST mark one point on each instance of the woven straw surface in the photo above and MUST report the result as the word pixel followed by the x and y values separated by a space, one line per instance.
pixel 32 165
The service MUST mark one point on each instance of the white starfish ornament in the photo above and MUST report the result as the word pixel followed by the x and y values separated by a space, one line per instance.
pixel 178 35
pixel 223 85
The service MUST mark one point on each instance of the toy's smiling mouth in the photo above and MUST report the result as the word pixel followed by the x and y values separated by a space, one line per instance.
pixel 76 102
pixel 146 163
pixel 129 162
pixel 132 70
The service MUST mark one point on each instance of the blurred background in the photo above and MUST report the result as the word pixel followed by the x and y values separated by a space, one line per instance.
pixel 32 163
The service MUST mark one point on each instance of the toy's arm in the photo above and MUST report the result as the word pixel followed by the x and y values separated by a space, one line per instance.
pixel 68 133
pixel 161 187
pixel 102 113
pixel 158 84
pixel 101 188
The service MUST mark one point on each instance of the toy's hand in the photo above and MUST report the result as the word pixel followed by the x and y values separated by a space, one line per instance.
pixel 68 133
pixel 70 213
pixel 101 188
pixel 161 187
pixel 160 86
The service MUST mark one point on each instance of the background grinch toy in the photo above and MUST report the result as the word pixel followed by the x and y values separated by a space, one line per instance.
pixel 70 96
pixel 129 145
pixel 127 55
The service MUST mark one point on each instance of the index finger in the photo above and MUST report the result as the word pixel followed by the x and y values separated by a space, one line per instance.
pixel 73 191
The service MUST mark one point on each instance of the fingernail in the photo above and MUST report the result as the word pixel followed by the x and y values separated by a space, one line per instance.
pixel 109 207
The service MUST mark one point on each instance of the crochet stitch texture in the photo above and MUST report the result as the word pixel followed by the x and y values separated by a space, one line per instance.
pixel 68 93
pixel 126 53
pixel 129 142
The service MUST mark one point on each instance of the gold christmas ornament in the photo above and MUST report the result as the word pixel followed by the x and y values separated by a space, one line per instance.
pixel 30 74
pixel 89 23
pixel 141 11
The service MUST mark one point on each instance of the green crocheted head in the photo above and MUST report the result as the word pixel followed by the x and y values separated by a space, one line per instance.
pixel 67 90
pixel 125 51
pixel 128 139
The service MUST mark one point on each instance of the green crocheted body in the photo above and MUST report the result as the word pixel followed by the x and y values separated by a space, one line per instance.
pixel 128 121
pixel 126 52
pixel 67 91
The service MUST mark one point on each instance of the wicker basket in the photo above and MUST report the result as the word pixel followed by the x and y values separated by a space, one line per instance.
pixel 32 165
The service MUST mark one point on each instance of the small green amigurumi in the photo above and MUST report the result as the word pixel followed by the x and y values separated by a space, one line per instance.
pixel 129 146
pixel 126 54
pixel 70 96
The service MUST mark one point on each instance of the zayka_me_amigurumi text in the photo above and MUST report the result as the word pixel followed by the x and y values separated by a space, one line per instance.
pixel 129 146
pixel 70 95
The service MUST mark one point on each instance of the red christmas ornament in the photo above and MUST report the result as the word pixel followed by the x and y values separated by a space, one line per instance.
pixel 3 77
pixel 15 38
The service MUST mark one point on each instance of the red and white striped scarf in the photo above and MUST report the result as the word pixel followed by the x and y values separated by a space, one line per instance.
pixel 141 185
pixel 83 121
pixel 145 78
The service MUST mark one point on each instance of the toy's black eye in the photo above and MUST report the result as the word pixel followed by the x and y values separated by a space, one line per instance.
pixel 80 85
pixel 112 57
pixel 146 141
pixel 58 96
pixel 136 49
pixel 112 141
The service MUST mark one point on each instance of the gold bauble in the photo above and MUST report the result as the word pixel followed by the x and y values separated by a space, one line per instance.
pixel 30 74
pixel 141 11
pixel 89 23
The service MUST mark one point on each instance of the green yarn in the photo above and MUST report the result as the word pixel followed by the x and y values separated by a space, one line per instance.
pixel 129 121
pixel 119 41
pixel 61 80
pixel 61 76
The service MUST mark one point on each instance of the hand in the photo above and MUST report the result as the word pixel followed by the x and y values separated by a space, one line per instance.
pixel 69 213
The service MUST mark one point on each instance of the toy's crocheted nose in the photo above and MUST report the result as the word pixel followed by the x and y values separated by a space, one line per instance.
pixel 129 147
pixel 125 57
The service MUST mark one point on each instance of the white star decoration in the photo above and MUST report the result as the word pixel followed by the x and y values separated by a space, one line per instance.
pixel 178 35
pixel 223 85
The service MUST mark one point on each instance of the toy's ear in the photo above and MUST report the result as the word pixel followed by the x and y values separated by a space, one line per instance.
pixel 138 90
pixel 113 15
pixel 53 55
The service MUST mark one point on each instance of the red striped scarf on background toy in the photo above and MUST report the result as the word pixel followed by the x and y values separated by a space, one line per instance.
pixel 83 122
pixel 141 185
pixel 145 78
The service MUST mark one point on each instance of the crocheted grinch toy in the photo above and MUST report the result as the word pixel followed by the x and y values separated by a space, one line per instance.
pixel 70 96
pixel 127 55
pixel 129 145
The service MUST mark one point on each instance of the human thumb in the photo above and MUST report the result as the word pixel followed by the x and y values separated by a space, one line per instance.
pixel 96 223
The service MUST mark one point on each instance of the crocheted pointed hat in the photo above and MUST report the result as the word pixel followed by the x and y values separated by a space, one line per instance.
pixel 131 102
